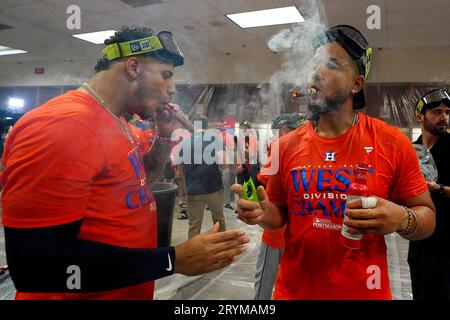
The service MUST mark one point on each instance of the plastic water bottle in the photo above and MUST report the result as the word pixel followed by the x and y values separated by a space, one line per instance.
pixel 357 189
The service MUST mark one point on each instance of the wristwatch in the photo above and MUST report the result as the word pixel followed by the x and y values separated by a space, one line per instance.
pixel 441 189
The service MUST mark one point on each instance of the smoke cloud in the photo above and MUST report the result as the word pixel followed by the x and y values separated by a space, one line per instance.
pixel 295 44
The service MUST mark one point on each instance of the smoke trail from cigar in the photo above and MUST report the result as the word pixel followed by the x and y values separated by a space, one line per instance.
pixel 295 44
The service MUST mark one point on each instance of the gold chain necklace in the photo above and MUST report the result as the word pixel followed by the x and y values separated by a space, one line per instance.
pixel 316 122
pixel 122 125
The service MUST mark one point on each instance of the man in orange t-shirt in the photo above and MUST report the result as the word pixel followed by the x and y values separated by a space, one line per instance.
pixel 80 221
pixel 317 163
pixel 272 242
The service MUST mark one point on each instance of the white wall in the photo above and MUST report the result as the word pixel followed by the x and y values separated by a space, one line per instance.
pixel 428 64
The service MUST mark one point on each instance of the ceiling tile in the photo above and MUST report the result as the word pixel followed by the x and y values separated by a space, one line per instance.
pixel 50 17
pixel 97 6
pixel 417 36
pixel 27 57
pixel 172 11
pixel 201 28
pixel 420 18
pixel 241 46
pixel 351 8
pixel 411 5
pixel 140 3
pixel 219 22
pixel 14 3
pixel 235 6
pixel 130 16
pixel 265 33
pixel 27 35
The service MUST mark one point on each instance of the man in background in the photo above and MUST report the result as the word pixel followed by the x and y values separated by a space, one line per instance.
pixel 204 186
pixel 272 242
pixel 429 259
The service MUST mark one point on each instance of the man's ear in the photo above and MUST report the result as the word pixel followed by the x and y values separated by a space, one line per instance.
pixel 420 117
pixel 358 83
pixel 133 67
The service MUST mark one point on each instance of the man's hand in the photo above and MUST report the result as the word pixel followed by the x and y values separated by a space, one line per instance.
pixel 209 251
pixel 433 186
pixel 170 117
pixel 385 218
pixel 248 211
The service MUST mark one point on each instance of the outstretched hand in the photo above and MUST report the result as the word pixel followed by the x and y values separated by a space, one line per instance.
pixel 209 251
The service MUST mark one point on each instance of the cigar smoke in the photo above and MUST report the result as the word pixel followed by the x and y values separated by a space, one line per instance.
pixel 295 45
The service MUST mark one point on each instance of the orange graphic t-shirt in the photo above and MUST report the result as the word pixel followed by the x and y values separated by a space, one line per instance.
pixel 315 173
pixel 69 160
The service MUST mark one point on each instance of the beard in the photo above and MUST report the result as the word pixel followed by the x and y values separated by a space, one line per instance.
pixel 433 128
pixel 328 105
pixel 142 97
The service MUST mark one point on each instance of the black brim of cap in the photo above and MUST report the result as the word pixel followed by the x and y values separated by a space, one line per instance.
pixel 359 100
pixel 433 105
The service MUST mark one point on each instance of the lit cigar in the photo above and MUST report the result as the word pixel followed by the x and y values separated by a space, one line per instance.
pixel 180 117
pixel 301 92
pixel 177 115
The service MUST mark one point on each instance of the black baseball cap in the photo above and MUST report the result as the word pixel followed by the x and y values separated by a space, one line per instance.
pixel 356 46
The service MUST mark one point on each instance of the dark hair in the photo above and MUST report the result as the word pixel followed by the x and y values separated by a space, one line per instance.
pixel 127 33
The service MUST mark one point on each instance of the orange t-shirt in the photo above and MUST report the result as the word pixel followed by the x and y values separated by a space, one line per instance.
pixel 315 173
pixel 69 160
pixel 272 238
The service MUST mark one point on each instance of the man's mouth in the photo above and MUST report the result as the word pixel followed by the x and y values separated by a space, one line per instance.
pixel 315 87
pixel 317 91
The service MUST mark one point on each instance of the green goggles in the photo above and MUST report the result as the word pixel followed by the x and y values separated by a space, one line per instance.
pixel 352 41
pixel 432 98
pixel 162 45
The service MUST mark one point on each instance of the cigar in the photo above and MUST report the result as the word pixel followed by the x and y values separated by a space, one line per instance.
pixel 184 121
pixel 301 92
pixel 179 116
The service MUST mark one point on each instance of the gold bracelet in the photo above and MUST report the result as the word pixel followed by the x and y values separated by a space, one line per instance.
pixel 407 231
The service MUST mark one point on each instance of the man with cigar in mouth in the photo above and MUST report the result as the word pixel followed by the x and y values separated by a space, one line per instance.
pixel 80 221
pixel 317 165
pixel 429 259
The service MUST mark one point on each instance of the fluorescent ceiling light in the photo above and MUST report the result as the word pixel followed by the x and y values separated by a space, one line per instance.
pixel 95 37
pixel 16 103
pixel 268 17
pixel 4 51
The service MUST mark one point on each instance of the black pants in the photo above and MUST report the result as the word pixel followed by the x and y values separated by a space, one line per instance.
pixel 430 276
